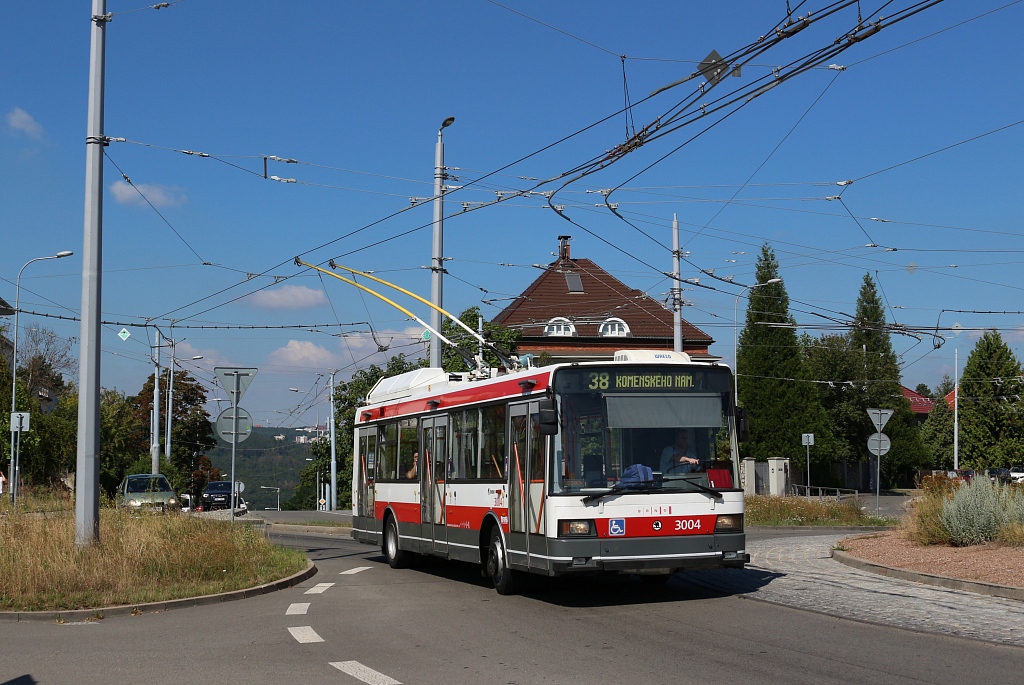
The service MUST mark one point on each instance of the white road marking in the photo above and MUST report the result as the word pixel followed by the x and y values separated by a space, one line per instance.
pixel 364 673
pixel 353 571
pixel 304 634
pixel 318 588
pixel 297 609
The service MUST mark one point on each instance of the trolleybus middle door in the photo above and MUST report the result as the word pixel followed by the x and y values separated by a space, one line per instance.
pixel 526 541
pixel 432 484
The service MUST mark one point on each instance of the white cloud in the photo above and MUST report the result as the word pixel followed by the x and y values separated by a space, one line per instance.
pixel 288 297
pixel 21 121
pixel 302 353
pixel 160 196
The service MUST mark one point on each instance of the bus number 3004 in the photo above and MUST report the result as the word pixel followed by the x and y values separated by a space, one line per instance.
pixel 688 524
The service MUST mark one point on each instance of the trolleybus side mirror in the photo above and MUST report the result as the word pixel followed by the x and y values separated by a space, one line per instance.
pixel 548 416
pixel 742 424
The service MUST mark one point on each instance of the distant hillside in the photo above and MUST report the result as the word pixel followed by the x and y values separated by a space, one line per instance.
pixel 262 460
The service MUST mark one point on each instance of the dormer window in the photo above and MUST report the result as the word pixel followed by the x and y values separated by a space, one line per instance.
pixel 614 328
pixel 560 327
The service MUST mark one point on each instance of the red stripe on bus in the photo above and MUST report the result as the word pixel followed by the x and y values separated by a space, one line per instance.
pixel 655 526
pixel 405 512
pixel 471 518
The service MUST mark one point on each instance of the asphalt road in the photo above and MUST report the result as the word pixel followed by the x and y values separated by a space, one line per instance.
pixel 440 623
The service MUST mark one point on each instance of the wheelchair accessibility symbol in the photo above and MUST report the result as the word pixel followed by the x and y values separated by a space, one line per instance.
pixel 617 527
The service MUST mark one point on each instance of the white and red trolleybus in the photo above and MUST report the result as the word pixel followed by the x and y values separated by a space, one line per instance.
pixel 625 466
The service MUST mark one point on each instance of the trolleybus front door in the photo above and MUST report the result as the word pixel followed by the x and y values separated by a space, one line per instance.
pixel 364 504
pixel 526 541
pixel 433 450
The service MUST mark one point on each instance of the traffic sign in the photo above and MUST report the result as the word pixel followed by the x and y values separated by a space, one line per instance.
pixel 807 439
pixel 879 444
pixel 20 421
pixel 124 334
pixel 229 376
pixel 880 417
pixel 239 487
pixel 226 424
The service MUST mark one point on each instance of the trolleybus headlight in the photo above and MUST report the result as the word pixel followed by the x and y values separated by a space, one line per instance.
pixel 729 522
pixel 576 528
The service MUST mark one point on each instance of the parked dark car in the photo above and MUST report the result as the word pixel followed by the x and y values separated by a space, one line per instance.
pixel 999 476
pixel 216 495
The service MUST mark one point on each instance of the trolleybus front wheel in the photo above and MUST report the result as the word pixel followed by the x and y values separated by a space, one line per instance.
pixel 504 578
pixel 397 558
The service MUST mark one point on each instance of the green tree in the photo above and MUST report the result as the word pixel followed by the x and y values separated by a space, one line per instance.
pixel 348 397
pixel 830 360
pixel 772 384
pixel 990 406
pixel 124 438
pixel 923 389
pixel 937 434
pixel 944 387
pixel 882 389
pixel 504 338
pixel 191 431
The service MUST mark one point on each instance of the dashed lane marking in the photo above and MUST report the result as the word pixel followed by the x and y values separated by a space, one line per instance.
pixel 318 588
pixel 297 609
pixel 364 673
pixel 305 634
pixel 353 571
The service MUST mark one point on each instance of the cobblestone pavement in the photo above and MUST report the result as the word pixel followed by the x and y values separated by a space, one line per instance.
pixel 800 572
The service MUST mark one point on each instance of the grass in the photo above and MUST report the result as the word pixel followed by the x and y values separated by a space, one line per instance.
pixel 765 510
pixel 139 559
pixel 323 524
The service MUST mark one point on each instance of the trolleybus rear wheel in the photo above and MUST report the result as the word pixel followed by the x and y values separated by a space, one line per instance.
pixel 504 578
pixel 397 558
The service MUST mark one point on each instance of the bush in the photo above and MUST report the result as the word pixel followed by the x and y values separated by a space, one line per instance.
pixel 767 510
pixel 924 524
pixel 979 512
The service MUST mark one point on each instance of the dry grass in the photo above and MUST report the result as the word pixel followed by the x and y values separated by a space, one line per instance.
pixel 139 559
pixel 766 510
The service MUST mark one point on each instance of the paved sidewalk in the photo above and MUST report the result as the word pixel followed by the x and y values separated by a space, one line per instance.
pixel 800 572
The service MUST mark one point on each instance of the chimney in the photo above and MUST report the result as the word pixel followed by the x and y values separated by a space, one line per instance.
pixel 563 247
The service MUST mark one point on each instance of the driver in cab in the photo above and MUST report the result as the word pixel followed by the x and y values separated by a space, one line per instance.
pixel 679 457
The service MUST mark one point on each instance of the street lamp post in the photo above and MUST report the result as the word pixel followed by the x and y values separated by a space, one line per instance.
pixel 268 487
pixel 735 326
pixel 437 253
pixel 16 444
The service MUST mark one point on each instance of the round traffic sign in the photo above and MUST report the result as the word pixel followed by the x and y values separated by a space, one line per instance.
pixel 879 444
pixel 226 423
pixel 239 485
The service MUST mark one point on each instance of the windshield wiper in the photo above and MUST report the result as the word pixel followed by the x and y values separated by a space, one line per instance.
pixel 641 486
pixel 703 488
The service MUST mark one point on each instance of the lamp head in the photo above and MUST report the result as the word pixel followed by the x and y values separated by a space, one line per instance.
pixel 773 280
pixel 447 122
pixel 65 253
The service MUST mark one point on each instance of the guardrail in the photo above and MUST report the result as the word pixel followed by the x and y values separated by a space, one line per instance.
pixel 838 494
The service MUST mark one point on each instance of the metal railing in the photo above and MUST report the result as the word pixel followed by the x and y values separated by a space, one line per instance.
pixel 838 494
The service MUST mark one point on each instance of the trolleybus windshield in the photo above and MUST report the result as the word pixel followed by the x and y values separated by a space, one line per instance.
pixel 654 428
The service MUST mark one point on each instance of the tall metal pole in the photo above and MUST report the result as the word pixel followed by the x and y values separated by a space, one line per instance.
pixel 154 447
pixel 87 490
pixel 956 408
pixel 333 504
pixel 437 251
pixel 234 439
pixel 170 405
pixel 677 292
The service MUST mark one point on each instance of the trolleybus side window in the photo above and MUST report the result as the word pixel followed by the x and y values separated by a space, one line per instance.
pixel 492 443
pixel 464 444
pixel 408 446
pixel 387 452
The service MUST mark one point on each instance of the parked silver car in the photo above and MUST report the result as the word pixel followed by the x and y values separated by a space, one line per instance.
pixel 146 492
pixel 1017 474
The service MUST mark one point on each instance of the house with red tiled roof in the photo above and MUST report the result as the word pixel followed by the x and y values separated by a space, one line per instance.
pixel 577 311
pixel 919 404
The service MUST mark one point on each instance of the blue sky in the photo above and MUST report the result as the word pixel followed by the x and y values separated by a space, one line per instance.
pixel 356 91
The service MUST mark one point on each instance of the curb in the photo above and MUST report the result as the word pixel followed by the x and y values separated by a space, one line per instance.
pixel 989 589
pixel 152 607
pixel 825 530
pixel 322 529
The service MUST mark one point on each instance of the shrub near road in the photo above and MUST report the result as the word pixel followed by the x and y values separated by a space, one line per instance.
pixel 140 559
pixel 766 510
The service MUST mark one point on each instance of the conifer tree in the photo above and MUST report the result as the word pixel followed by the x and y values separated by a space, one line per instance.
pixel 772 387
pixel 990 405
pixel 881 388
pixel 937 434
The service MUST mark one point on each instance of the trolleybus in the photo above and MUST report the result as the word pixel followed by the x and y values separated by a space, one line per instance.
pixel 625 466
